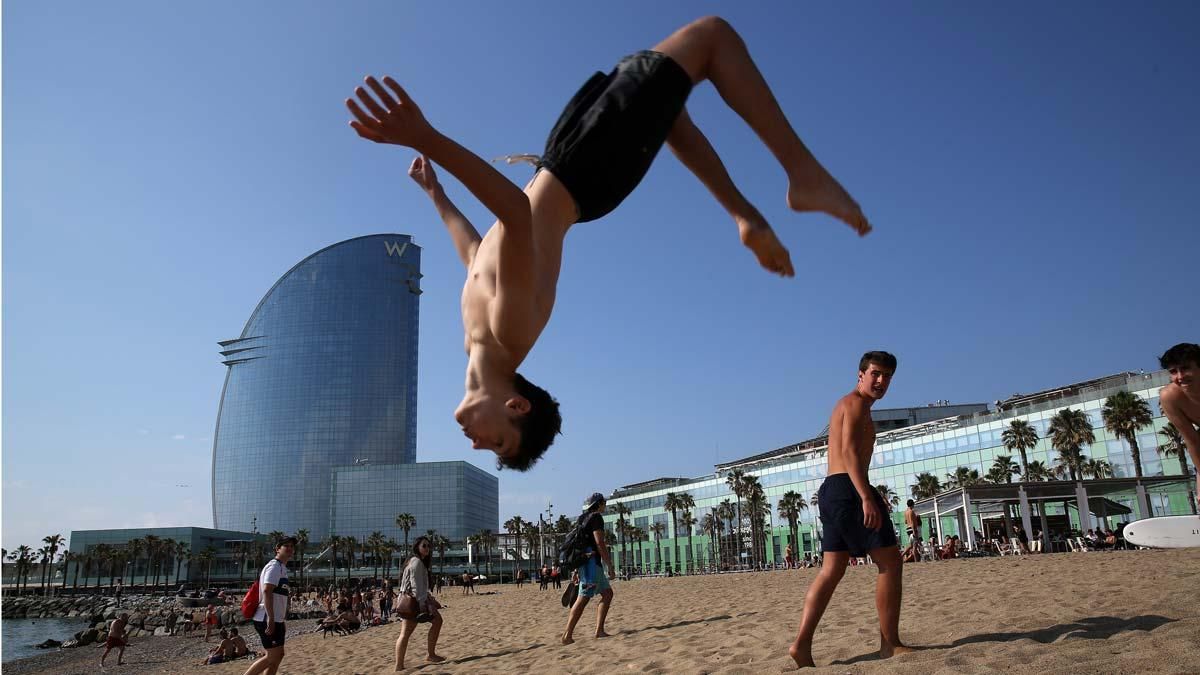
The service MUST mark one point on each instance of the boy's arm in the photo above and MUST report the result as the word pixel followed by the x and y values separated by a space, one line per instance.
pixel 853 413
pixel 1191 438
pixel 462 232
pixel 399 121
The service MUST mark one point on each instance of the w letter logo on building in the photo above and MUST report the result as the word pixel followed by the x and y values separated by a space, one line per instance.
pixel 396 249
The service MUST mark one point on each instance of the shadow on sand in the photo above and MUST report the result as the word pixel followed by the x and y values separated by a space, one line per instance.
pixel 1091 628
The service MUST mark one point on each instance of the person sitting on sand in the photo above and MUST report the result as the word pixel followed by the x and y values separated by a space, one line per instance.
pixel 116 639
pixel 1110 539
pixel 949 549
pixel 345 619
pixel 416 582
pixel 223 652
pixel 240 648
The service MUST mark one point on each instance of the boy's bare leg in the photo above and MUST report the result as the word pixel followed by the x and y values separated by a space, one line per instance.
pixel 692 148
pixel 709 48
pixel 815 602
pixel 888 590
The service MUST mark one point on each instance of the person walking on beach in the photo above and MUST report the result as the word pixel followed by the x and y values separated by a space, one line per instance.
pixel 596 154
pixel 116 639
pixel 592 580
pixel 912 524
pixel 416 582
pixel 118 592
pixel 853 514
pixel 270 619
pixel 1180 400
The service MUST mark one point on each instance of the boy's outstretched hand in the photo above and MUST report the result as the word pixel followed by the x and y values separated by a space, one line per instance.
pixel 395 120
pixel 421 171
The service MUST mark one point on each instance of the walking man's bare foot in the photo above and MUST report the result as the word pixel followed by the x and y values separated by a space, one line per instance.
pixel 434 658
pixel 801 653
pixel 819 191
pixel 567 639
pixel 602 634
pixel 758 236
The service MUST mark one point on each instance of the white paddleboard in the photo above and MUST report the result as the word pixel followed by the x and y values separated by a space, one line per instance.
pixel 1165 532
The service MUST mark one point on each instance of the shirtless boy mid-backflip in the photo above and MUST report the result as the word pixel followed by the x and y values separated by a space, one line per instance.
pixel 596 154
pixel 853 515
pixel 1180 400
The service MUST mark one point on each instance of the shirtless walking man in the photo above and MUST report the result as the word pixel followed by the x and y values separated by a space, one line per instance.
pixel 1180 400
pixel 854 515
pixel 599 150
pixel 912 523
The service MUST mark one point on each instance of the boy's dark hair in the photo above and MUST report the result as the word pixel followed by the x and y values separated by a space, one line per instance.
pixel 911 503
pixel 285 541
pixel 878 358
pixel 1181 355
pixel 538 427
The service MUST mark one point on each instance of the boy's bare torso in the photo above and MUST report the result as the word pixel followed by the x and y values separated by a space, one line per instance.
pixel 524 315
pixel 859 443
pixel 1176 403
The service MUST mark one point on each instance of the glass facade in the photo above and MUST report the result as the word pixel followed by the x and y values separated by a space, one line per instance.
pixel 222 544
pixel 970 440
pixel 324 374
pixel 455 499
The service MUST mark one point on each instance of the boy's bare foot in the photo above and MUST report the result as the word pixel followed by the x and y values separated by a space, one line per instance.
pixel 567 639
pixel 887 651
pixel 758 236
pixel 819 191
pixel 434 658
pixel 801 653
pixel 601 634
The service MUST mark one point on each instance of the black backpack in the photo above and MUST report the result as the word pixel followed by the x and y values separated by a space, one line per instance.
pixel 572 553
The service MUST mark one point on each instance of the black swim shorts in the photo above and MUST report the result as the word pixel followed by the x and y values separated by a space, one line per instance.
pixel 276 638
pixel 614 126
pixel 842 519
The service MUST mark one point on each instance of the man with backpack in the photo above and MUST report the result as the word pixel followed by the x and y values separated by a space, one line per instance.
pixel 271 616
pixel 589 536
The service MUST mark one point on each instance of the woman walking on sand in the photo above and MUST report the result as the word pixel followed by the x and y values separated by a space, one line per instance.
pixel 416 583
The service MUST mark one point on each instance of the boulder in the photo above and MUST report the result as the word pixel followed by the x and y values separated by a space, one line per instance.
pixel 88 636
pixel 48 644
pixel 160 631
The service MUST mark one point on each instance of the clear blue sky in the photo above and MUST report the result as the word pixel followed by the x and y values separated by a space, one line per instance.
pixel 1026 166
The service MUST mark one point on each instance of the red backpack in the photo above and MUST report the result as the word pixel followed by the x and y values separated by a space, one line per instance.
pixel 250 602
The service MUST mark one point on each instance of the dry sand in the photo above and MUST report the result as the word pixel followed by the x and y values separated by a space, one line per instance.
pixel 1119 612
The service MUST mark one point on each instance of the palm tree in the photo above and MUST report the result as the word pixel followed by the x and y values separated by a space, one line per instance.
pixel 658 529
pixel 52 542
pixel 301 543
pixel 727 512
pixel 350 545
pixel 182 552
pixel 889 497
pixel 927 486
pixel 134 549
pixel 688 521
pixel 1124 413
pixel 1004 466
pixel 532 534
pixel 758 508
pixel 440 542
pixel 674 503
pixel 100 555
pixel 333 542
pixel 21 556
pixel 736 480
pixel 1069 430
pixel 1097 468
pixel 206 557
pixel 1038 471
pixel 621 512
pixel 1020 436
pixel 711 524
pixel 790 505
pixel 375 542
pixel 515 526
pixel 962 477
pixel 151 550
pixel 405 521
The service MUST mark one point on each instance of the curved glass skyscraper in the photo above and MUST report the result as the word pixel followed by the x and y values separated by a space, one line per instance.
pixel 324 374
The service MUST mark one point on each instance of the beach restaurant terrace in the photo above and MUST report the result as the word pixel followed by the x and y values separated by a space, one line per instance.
pixel 1092 500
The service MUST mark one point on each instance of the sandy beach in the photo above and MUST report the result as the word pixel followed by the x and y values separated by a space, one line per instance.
pixel 1118 612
